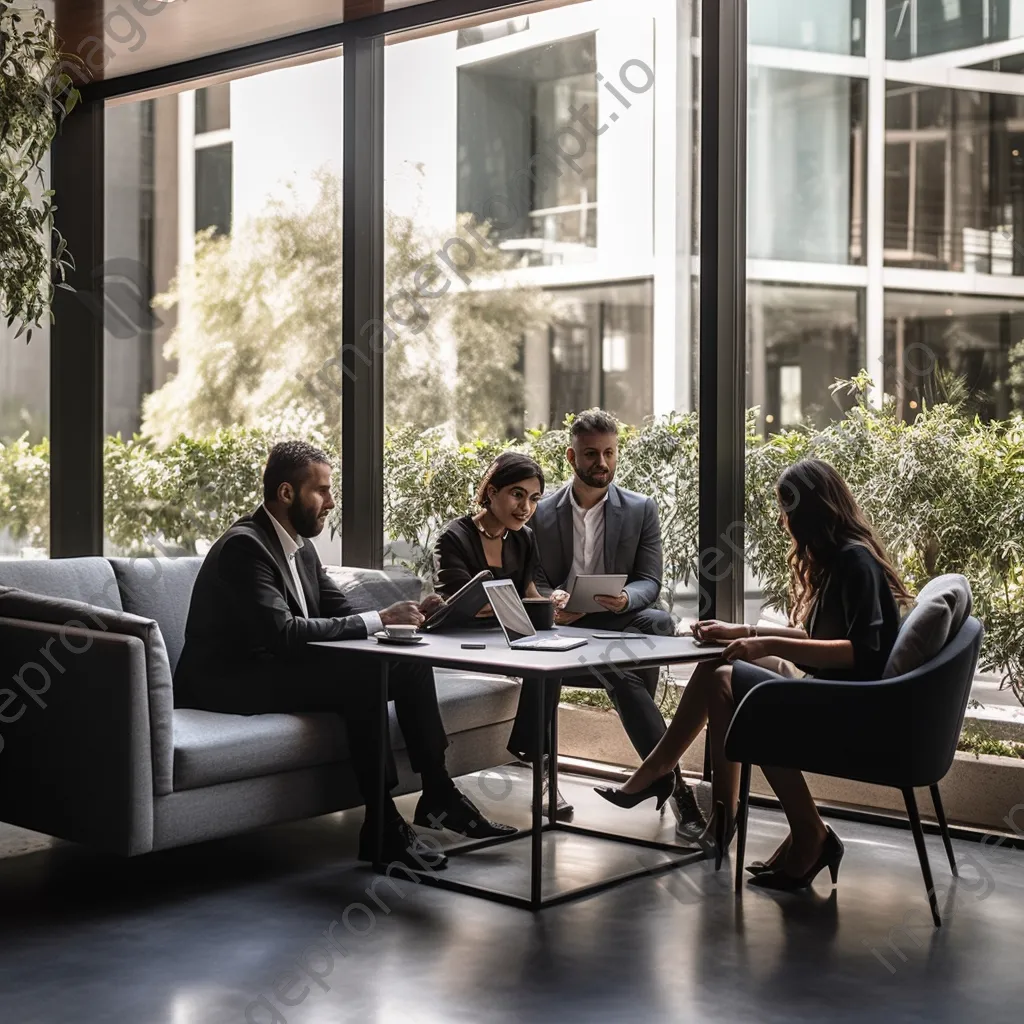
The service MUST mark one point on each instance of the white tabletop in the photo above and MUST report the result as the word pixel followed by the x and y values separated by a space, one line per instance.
pixel 444 650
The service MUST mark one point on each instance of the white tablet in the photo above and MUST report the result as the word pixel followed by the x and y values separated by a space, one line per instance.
pixel 586 588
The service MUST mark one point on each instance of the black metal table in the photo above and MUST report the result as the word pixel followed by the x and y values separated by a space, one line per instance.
pixel 549 668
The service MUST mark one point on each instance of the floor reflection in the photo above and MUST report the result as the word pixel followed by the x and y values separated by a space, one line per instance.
pixel 206 934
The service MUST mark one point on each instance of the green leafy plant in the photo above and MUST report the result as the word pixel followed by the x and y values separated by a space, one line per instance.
pixel 174 498
pixel 36 94
pixel 975 739
pixel 25 491
pixel 945 493
pixel 259 334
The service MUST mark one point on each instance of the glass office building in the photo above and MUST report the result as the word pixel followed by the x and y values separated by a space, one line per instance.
pixel 885 208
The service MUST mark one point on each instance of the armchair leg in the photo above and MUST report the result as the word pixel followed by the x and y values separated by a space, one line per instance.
pixel 922 853
pixel 741 823
pixel 940 815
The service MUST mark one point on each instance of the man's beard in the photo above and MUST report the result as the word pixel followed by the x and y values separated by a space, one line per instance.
pixel 591 481
pixel 305 520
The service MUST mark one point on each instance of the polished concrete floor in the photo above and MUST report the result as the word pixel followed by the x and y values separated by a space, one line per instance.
pixel 235 930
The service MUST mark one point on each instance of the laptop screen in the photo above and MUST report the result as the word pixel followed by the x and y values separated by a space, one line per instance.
pixel 509 610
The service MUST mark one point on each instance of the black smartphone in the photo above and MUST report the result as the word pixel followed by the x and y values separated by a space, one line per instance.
pixel 474 647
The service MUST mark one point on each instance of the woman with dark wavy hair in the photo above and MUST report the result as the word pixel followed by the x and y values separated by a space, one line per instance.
pixel 844 613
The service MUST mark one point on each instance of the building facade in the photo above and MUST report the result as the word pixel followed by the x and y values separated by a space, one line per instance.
pixel 885 198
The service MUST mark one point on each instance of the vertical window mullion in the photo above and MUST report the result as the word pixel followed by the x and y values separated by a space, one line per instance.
pixel 362 352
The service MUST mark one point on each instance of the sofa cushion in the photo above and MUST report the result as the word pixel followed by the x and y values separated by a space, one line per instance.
pixel 77 579
pixel 369 590
pixel 942 607
pixel 211 748
pixel 19 604
pixel 161 589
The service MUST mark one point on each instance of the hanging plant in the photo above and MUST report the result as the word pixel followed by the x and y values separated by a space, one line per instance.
pixel 36 94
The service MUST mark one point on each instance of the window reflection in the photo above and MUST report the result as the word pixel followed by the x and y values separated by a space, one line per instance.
pixel 806 166
pixel 509 107
pixel 596 351
pixel 954 180
pixel 931 338
pixel 799 341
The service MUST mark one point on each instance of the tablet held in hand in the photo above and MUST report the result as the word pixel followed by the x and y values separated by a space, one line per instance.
pixel 585 590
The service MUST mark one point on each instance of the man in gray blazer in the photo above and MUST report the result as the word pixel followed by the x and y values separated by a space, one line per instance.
pixel 592 527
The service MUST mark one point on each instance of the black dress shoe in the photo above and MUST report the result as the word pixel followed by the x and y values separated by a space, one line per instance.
pixel 457 813
pixel 401 846
pixel 690 820
pixel 564 811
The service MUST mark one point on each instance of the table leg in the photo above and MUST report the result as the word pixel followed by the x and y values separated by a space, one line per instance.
pixel 553 765
pixel 382 762
pixel 537 834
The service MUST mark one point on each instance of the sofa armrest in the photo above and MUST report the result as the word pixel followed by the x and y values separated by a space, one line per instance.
pixel 852 730
pixel 75 750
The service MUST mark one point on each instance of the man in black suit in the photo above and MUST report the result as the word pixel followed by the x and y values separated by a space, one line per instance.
pixel 261 598
pixel 592 527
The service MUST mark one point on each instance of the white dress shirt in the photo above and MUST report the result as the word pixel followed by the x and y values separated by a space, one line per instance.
pixel 587 539
pixel 290 546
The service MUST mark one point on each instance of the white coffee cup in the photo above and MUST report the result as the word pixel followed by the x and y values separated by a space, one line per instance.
pixel 401 631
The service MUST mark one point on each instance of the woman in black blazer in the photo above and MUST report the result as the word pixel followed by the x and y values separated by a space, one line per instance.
pixel 497 537
pixel 844 617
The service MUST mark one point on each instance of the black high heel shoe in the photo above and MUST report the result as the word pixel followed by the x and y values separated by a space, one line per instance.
pixel 759 867
pixel 830 857
pixel 661 788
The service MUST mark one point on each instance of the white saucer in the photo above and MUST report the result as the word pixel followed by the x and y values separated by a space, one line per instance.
pixel 406 641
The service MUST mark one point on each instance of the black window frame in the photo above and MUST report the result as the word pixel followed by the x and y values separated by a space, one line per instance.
pixel 77 399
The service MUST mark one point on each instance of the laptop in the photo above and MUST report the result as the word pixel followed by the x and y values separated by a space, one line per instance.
pixel 515 623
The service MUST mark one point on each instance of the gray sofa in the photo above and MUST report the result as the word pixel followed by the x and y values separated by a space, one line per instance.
pixel 93 750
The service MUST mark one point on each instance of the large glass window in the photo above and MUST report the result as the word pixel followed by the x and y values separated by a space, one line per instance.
pixel 520 175
pixel 919 28
pixel 520 269
pixel 800 340
pixel 835 26
pixel 596 350
pixel 525 100
pixel 937 344
pixel 806 166
pixel 223 314
pixel 24 446
pixel 954 180
pixel 213 188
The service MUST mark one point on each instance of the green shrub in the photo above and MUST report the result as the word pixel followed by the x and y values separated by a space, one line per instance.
pixel 192 490
pixel 25 491
pixel 945 493
pixel 976 740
